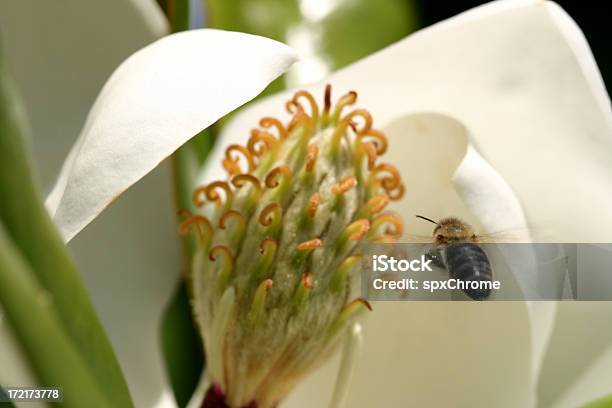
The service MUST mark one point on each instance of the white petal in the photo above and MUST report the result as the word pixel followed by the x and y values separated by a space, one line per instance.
pixel 487 194
pixel 154 102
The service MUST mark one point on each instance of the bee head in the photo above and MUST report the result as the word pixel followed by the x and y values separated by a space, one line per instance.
pixel 451 230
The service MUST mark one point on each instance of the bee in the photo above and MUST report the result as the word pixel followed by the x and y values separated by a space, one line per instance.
pixel 457 251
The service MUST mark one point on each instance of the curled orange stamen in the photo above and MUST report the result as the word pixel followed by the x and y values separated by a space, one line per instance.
pixel 363 302
pixel 267 245
pixel 395 228
pixel 231 214
pixel 211 194
pixel 240 180
pixel 231 167
pixel 311 157
pixel 196 197
pixel 309 245
pixel 314 107
pixel 390 182
pixel 358 229
pixel 271 179
pixel 270 211
pixel 261 142
pixel 212 255
pixel 342 126
pixel 344 101
pixel 364 115
pixel 377 203
pixel 370 151
pixel 313 204
pixel 397 193
pixel 348 312
pixel 300 119
pixel 293 107
pixel 269 122
pixel 344 185
pixel 339 132
pixel 379 137
pixel 195 221
pixel 230 163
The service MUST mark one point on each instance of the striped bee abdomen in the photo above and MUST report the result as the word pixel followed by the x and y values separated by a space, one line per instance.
pixel 469 262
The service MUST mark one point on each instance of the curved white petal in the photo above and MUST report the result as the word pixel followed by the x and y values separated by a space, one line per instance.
pixel 154 102
pixel 487 194
pixel 520 77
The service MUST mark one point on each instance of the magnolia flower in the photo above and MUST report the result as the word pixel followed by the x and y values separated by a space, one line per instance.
pixel 273 291
pixel 498 116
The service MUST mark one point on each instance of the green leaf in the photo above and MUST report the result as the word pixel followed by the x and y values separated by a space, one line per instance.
pixel 605 402
pixel 29 226
pixel 182 346
pixel 32 312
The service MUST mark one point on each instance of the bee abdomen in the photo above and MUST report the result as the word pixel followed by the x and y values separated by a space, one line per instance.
pixel 469 262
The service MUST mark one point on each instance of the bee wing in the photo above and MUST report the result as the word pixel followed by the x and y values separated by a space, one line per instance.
pixel 515 235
